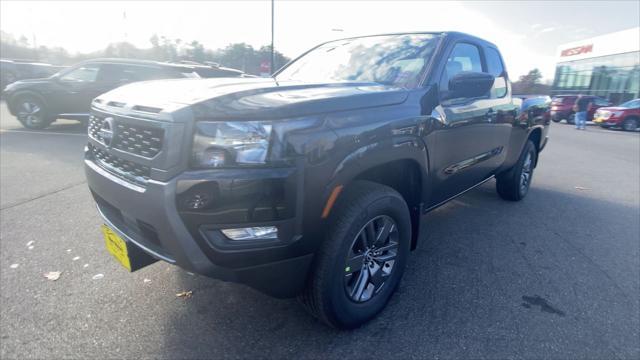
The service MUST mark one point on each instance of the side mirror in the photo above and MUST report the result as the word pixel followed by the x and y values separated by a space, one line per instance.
pixel 468 84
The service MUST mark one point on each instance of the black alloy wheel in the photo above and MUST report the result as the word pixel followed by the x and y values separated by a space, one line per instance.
pixel 32 113
pixel 371 259
pixel 630 124
pixel 362 257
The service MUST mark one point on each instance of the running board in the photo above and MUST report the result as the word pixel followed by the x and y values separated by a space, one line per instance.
pixel 459 194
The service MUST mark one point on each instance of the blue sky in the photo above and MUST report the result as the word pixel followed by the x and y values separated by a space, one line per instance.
pixel 527 32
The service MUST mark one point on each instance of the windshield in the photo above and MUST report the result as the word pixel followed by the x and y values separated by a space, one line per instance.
pixel 390 59
pixel 631 104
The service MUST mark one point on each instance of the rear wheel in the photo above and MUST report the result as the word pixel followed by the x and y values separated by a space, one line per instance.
pixel 514 184
pixel 571 119
pixel 630 124
pixel 32 113
pixel 363 256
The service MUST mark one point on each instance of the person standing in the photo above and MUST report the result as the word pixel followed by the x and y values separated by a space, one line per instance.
pixel 581 107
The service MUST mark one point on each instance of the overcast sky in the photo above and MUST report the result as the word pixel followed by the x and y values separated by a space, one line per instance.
pixel 526 32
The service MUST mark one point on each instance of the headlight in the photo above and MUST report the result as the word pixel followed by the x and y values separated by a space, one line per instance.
pixel 605 114
pixel 230 143
pixel 9 87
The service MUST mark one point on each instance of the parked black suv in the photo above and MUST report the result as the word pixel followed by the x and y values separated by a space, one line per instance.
pixel 314 182
pixel 14 70
pixel 68 94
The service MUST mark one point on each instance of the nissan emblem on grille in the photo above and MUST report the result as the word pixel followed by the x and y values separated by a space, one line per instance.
pixel 106 131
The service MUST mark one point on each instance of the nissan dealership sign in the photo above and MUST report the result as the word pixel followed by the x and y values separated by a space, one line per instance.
pixel 615 43
pixel 577 50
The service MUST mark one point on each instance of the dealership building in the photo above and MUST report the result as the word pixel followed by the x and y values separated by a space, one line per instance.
pixel 607 66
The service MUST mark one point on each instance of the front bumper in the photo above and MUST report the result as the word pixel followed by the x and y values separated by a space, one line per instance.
pixel 558 115
pixel 150 218
pixel 606 122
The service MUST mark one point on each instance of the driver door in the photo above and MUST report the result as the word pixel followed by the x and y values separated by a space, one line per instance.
pixel 466 143
pixel 78 87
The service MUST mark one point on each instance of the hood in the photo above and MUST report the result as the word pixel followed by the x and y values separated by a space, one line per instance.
pixel 25 83
pixel 612 108
pixel 263 98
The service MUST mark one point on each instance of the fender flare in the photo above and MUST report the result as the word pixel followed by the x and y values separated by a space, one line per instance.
pixel 366 157
pixel 379 153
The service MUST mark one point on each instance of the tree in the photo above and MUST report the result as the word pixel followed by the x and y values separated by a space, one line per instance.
pixel 530 84
pixel 239 56
pixel 532 78
pixel 195 51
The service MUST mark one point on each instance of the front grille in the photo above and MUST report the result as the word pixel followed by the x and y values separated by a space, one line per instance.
pixel 139 140
pixel 94 128
pixel 135 139
pixel 123 168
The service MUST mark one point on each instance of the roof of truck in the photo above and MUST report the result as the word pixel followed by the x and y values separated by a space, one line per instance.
pixel 449 34
pixel 138 62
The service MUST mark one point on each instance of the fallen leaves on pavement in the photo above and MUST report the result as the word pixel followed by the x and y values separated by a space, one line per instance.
pixel 53 275
pixel 185 294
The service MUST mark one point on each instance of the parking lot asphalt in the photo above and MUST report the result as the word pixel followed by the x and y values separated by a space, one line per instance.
pixel 554 276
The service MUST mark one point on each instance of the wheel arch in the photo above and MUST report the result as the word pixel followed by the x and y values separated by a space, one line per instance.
pixel 631 117
pixel 535 135
pixel 402 168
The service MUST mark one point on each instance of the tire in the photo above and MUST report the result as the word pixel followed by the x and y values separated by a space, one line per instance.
pixel 513 185
pixel 630 124
pixel 32 112
pixel 571 120
pixel 556 120
pixel 344 262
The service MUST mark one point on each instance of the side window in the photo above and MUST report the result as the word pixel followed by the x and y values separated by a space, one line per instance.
pixel 120 73
pixel 463 57
pixel 112 73
pixel 600 102
pixel 495 68
pixel 142 73
pixel 83 73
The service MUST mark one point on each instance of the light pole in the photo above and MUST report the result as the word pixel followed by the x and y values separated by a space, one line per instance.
pixel 273 54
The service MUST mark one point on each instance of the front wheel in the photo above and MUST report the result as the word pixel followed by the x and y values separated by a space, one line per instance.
pixel 630 124
pixel 513 185
pixel 362 259
pixel 31 112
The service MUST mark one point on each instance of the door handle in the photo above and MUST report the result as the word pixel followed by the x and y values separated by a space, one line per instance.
pixel 490 115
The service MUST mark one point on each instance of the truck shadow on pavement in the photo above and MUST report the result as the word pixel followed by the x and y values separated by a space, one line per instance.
pixel 462 292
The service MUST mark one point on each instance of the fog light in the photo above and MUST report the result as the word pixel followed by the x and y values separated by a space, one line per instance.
pixel 213 158
pixel 252 233
pixel 197 201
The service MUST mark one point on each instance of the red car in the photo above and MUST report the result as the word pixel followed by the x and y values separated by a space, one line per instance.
pixel 562 107
pixel 626 116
